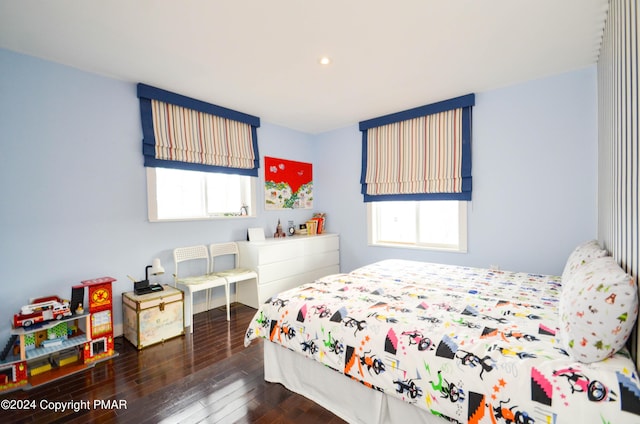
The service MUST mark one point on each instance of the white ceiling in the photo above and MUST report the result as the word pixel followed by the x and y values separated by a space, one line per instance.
pixel 261 57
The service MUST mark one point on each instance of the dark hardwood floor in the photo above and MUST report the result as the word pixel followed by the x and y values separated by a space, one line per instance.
pixel 204 377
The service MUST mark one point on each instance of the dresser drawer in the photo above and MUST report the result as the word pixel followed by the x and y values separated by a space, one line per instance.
pixel 295 247
pixel 253 296
pixel 299 265
pixel 285 263
pixel 274 287
pixel 278 253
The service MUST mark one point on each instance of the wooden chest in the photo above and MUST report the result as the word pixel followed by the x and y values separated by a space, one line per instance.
pixel 153 318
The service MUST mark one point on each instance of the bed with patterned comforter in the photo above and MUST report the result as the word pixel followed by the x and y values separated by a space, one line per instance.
pixel 471 345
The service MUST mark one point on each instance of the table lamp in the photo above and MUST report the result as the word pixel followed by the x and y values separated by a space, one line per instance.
pixel 156 269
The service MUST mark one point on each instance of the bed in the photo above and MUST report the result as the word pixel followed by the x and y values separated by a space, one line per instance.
pixel 401 340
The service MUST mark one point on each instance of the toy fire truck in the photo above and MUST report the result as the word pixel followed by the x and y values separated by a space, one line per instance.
pixel 41 310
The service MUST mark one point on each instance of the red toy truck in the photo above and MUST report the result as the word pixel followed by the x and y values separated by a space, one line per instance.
pixel 42 309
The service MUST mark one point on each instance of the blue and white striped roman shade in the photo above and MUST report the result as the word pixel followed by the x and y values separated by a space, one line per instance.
pixel 184 133
pixel 419 154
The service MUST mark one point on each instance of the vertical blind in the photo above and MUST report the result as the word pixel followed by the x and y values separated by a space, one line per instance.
pixel 618 145
pixel 184 133
pixel 419 154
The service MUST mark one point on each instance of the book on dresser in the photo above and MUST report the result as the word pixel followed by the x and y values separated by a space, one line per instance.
pixel 284 263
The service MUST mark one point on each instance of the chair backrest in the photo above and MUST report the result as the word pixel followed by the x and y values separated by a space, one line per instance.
pixel 182 254
pixel 223 249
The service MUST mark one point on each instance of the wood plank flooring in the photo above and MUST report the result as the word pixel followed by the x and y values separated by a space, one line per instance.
pixel 204 377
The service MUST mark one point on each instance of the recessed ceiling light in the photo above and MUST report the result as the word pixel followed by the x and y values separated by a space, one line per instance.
pixel 324 60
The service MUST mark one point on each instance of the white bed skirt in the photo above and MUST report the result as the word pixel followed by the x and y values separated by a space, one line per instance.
pixel 346 398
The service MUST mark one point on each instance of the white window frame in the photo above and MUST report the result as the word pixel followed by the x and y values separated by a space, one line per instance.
pixel 152 202
pixel 460 247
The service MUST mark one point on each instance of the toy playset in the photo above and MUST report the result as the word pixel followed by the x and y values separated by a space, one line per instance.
pixel 54 337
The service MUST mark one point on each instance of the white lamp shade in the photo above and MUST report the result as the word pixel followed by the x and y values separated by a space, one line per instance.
pixel 156 267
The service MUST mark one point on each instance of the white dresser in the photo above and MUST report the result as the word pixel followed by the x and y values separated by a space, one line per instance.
pixel 284 263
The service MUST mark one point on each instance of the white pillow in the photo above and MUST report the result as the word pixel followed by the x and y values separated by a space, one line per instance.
pixel 598 309
pixel 582 254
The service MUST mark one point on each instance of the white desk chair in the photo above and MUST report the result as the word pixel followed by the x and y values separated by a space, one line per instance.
pixel 204 281
pixel 232 275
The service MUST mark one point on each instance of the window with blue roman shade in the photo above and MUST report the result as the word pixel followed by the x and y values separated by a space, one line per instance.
pixel 184 133
pixel 419 154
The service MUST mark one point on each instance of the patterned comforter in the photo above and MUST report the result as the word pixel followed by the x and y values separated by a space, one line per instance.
pixel 471 345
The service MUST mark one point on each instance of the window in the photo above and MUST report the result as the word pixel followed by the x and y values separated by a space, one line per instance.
pixel 175 194
pixel 438 225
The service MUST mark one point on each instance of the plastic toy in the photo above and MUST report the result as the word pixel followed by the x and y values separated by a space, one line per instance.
pixel 41 310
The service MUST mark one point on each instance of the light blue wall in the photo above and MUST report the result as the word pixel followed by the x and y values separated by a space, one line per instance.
pixel 534 179
pixel 73 196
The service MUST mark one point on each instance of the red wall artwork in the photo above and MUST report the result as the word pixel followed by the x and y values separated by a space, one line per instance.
pixel 288 184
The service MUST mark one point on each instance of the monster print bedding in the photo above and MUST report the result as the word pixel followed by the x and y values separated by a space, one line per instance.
pixel 471 345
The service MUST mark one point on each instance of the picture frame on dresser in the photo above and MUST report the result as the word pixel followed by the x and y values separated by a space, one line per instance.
pixel 255 234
